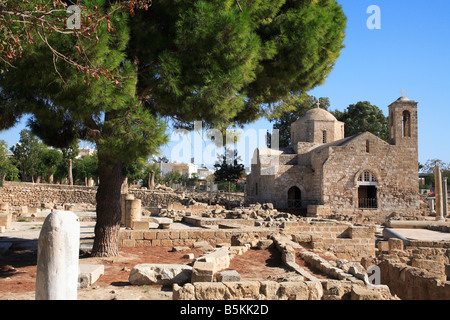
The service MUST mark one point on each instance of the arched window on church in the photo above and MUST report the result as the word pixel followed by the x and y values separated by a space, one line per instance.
pixel 324 136
pixel 367 146
pixel 406 124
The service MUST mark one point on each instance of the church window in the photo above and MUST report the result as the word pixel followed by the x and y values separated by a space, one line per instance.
pixel 367 177
pixel 324 136
pixel 406 124
pixel 367 146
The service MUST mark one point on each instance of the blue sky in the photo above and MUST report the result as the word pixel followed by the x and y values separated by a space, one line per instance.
pixel 411 52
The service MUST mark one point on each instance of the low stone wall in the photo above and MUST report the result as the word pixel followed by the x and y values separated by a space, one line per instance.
pixel 177 237
pixel 205 222
pixel 18 194
pixel 155 198
pixel 272 290
pixel 34 194
pixel 343 239
pixel 251 290
pixel 410 283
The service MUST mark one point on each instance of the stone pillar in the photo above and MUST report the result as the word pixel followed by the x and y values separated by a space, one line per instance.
pixel 57 260
pixel 133 212
pixel 432 206
pixel 4 207
pixel 445 197
pixel 438 193
pixel 123 198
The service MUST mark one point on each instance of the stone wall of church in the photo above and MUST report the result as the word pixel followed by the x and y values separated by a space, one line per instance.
pixel 395 170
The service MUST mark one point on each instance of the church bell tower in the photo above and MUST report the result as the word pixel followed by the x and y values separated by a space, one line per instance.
pixel 403 129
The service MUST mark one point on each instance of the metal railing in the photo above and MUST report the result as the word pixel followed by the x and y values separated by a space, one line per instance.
pixel 368 203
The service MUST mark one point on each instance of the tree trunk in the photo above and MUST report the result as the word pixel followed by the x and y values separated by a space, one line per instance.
pixel 70 172
pixel 151 179
pixel 106 241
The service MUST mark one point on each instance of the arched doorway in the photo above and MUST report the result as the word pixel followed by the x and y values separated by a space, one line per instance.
pixel 367 191
pixel 294 198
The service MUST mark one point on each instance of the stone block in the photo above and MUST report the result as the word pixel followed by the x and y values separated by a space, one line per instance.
pixel 297 290
pixel 24 210
pixel 180 249
pixel 128 243
pixel 264 244
pixel 301 237
pixel 315 290
pixel 4 207
pixel 269 289
pixel 186 292
pixel 200 244
pixel 210 291
pixel 203 272
pixel 189 256
pixel 317 210
pixel 5 220
pixel 165 274
pixel 333 288
pixel 228 276
pixel 395 244
pixel 89 274
pixel 383 246
pixel 238 250
pixel 360 293
pixel 140 225
pixel 242 290
pixel 149 235
pixel 220 257
pixel 429 265
pixel 358 232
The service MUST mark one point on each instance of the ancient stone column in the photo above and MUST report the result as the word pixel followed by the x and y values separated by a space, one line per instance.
pixel 133 212
pixel 123 198
pixel 438 193
pixel 57 260
pixel 432 206
pixel 445 197
pixel 4 207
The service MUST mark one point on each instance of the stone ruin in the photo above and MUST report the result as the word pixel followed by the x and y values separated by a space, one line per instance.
pixel 344 254
pixel 327 259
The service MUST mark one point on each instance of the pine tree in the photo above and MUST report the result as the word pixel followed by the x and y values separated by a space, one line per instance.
pixel 362 117
pixel 210 60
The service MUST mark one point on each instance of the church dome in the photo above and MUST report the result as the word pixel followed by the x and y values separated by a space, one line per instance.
pixel 403 98
pixel 318 114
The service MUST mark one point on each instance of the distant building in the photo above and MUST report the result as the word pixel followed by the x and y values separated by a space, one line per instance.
pixel 203 173
pixel 85 152
pixel 184 168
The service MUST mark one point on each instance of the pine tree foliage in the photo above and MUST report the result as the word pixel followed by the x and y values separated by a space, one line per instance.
pixel 209 60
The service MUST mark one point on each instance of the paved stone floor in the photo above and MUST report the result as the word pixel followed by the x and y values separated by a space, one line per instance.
pixel 422 234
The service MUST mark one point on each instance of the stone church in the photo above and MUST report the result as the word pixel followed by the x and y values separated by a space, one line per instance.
pixel 330 175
